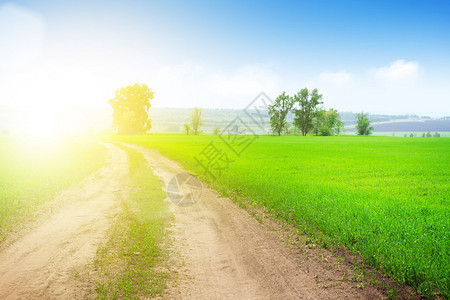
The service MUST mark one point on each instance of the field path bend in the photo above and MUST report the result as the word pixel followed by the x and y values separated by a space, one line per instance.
pixel 228 254
pixel 43 262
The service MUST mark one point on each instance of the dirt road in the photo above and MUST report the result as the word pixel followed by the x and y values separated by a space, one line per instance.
pixel 227 254
pixel 219 249
pixel 44 261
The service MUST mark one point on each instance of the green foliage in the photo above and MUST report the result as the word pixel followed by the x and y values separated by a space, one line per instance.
pixel 363 124
pixel 289 128
pixel 319 119
pixel 278 112
pixel 387 199
pixel 328 122
pixel 130 109
pixel 186 128
pixel 195 120
pixel 308 115
pixel 307 104
pixel 428 134
pixel 216 130
pixel 32 175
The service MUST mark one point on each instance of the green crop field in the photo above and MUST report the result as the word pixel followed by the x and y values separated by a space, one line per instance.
pixel 386 198
pixel 31 174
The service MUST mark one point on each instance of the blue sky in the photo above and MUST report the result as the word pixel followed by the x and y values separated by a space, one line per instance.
pixel 376 56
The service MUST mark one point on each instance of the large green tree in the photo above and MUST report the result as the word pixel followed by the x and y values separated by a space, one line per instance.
pixel 278 112
pixel 363 124
pixel 130 109
pixel 307 105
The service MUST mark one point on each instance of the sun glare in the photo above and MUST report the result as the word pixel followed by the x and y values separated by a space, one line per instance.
pixel 41 125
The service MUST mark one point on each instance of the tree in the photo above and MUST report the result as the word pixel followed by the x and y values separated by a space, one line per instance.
pixel 319 119
pixel 187 128
pixel 307 104
pixel 288 129
pixel 130 109
pixel 327 122
pixel 278 112
pixel 195 120
pixel 332 123
pixel 216 130
pixel 363 124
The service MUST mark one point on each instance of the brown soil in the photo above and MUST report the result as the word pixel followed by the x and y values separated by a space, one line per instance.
pixel 44 261
pixel 226 253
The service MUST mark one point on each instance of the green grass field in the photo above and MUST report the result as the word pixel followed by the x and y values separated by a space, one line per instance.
pixel 387 199
pixel 31 174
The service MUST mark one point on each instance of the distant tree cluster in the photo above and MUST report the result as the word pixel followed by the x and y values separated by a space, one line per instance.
pixel 310 116
pixel 428 134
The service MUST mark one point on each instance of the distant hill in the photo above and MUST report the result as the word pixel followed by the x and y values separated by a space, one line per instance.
pixel 442 125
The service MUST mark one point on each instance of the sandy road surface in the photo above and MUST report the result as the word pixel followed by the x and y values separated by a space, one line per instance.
pixel 43 262
pixel 228 254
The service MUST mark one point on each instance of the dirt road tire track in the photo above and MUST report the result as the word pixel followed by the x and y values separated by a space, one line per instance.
pixel 228 254
pixel 42 263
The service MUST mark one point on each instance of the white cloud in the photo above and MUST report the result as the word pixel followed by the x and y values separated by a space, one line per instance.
pixel 398 70
pixel 340 77
pixel 192 84
pixel 245 81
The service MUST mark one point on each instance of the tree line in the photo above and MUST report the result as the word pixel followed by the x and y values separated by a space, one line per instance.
pixel 428 134
pixel 310 116
pixel 131 104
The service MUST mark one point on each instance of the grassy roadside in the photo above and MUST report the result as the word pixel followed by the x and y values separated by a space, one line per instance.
pixel 385 199
pixel 32 174
pixel 131 264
